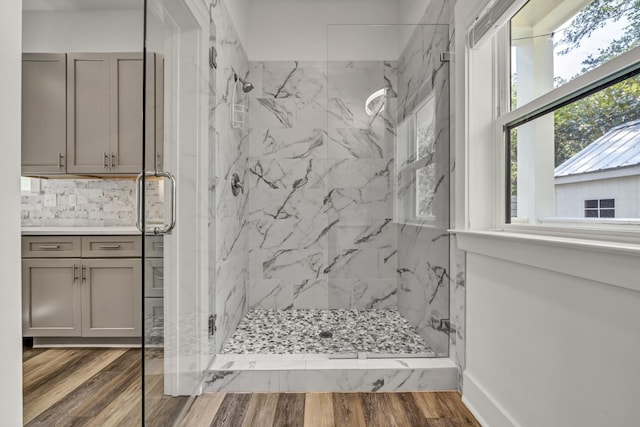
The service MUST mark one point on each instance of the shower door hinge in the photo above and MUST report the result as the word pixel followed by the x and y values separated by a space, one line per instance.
pixel 212 324
pixel 445 56
pixel 444 326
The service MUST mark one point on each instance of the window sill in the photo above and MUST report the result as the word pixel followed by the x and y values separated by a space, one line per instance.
pixel 607 261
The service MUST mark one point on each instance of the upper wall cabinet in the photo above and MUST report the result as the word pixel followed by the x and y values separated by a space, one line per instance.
pixel 84 117
pixel 104 112
pixel 44 105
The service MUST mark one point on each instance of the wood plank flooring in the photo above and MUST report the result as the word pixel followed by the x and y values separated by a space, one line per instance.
pixel 442 409
pixel 94 387
pixel 102 387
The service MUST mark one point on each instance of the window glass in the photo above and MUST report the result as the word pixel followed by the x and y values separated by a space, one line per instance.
pixel 416 183
pixel 579 161
pixel 554 42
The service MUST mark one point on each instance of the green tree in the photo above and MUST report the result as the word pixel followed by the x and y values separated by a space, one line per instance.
pixel 581 123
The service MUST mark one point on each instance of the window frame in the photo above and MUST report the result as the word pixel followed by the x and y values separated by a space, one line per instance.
pixel 613 71
pixel 410 200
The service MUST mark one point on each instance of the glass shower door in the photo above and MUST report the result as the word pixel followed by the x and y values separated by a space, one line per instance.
pixel 388 177
pixel 172 201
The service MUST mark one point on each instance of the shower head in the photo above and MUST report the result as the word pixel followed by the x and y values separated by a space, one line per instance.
pixel 246 86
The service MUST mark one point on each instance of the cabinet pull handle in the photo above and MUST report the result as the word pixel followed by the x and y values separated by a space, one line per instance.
pixel 106 160
pixel 113 161
pixel 49 247
pixel 60 161
pixel 84 273
pixel 109 247
pixel 75 273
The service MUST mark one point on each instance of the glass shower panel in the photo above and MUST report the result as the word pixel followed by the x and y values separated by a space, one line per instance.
pixel 173 214
pixel 388 186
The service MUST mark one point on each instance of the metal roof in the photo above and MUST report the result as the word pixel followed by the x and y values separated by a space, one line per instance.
pixel 618 148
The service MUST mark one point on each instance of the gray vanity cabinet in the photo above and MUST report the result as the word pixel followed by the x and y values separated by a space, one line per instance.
pixel 111 298
pixel 95 292
pixel 51 297
pixel 44 98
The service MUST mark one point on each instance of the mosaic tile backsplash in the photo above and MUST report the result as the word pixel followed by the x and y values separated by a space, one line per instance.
pixel 98 203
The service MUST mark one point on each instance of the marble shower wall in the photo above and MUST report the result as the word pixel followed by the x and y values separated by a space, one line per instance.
pixel 320 185
pixel 98 203
pixel 228 157
pixel 423 245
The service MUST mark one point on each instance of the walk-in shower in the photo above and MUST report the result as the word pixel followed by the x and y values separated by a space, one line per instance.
pixel 347 203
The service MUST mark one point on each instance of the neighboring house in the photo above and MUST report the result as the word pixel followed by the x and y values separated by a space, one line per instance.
pixel 602 180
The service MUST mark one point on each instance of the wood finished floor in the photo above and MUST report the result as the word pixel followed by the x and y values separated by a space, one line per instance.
pixel 94 387
pixel 442 409
pixel 102 387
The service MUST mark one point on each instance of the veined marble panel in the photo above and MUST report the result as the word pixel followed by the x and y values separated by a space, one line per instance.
pixel 231 151
pixel 298 143
pixel 333 380
pixel 423 282
pixel 363 293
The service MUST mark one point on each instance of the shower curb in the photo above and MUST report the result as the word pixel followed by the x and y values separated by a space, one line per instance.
pixel 315 373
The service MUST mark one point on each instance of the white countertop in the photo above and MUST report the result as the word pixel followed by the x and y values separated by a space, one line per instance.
pixel 79 231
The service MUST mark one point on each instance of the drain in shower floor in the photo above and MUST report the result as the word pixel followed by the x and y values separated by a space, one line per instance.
pixel 326 334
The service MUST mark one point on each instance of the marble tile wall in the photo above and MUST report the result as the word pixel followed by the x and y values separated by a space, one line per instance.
pixel 424 271
pixel 98 203
pixel 320 185
pixel 228 157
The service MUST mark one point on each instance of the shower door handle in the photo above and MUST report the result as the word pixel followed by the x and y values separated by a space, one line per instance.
pixel 166 228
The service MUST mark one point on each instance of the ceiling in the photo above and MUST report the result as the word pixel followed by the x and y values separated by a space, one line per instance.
pixel 324 1
pixel 51 5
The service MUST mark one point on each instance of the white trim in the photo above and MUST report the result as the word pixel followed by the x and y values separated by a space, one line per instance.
pixel 483 405
pixel 598 175
pixel 611 263
pixel 616 66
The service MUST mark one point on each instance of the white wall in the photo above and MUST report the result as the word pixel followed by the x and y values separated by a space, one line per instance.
pixel 412 11
pixel 89 31
pixel 239 12
pixel 298 31
pixel 551 329
pixel 551 349
pixel 10 303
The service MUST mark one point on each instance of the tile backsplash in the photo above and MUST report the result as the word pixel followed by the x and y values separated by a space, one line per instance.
pixel 89 203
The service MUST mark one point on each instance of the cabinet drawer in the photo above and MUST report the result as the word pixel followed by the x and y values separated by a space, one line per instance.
pixel 154 247
pixel 153 277
pixel 111 246
pixel 51 247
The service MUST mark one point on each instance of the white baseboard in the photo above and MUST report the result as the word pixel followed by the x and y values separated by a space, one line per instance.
pixel 483 406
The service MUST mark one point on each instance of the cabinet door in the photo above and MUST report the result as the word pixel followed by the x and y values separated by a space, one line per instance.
pixel 51 298
pixel 111 298
pixel 44 110
pixel 88 113
pixel 153 277
pixel 126 109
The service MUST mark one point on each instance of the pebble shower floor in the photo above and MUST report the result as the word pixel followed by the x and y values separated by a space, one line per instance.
pixel 332 332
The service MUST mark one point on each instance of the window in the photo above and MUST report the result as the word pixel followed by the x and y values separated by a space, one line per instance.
pixel 602 208
pixel 571 119
pixel 416 165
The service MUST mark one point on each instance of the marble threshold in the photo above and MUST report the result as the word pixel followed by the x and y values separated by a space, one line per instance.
pixel 321 373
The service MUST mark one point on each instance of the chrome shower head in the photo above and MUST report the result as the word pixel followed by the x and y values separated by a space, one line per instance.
pixel 246 86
